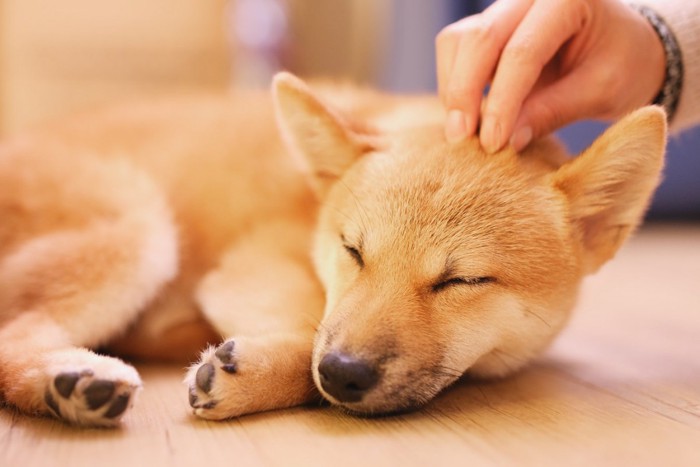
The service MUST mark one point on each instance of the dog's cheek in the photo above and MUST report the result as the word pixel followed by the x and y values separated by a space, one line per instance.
pixel 337 273
pixel 325 260
pixel 520 330
pixel 474 327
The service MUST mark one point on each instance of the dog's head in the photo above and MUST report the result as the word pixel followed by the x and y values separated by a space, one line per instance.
pixel 439 259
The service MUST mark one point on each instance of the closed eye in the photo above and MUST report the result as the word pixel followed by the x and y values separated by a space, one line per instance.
pixel 355 254
pixel 456 281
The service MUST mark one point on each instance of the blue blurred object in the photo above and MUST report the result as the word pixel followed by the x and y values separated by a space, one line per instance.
pixel 410 66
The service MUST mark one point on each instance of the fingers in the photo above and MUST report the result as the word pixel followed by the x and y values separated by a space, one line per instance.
pixel 543 31
pixel 467 53
pixel 554 106
pixel 446 46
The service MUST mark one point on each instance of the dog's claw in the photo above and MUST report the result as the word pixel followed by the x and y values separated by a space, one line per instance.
pixel 51 403
pixel 229 368
pixel 194 401
pixel 205 406
pixel 193 397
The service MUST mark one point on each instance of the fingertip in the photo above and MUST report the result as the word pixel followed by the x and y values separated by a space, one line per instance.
pixel 456 126
pixel 470 123
pixel 491 135
pixel 521 138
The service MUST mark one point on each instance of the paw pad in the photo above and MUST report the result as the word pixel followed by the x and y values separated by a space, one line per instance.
pixel 81 397
pixel 225 354
pixel 98 393
pixel 205 375
pixel 65 383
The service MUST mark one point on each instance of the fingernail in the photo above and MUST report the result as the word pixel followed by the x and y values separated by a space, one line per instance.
pixel 491 135
pixel 469 126
pixel 455 129
pixel 521 138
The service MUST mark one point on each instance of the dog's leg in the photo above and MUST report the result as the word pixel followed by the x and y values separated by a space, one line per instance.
pixel 44 374
pixel 267 302
pixel 70 290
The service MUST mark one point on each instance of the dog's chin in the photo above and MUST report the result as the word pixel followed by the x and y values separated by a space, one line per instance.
pixel 381 402
pixel 377 413
pixel 374 410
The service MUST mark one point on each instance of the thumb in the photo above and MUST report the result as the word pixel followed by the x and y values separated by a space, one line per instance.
pixel 554 106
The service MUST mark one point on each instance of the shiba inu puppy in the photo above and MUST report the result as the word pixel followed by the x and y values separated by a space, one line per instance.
pixel 359 255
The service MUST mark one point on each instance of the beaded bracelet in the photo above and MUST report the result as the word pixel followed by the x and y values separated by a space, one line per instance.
pixel 670 92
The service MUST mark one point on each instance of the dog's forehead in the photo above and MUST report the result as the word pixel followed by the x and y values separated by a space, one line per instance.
pixel 417 195
pixel 443 185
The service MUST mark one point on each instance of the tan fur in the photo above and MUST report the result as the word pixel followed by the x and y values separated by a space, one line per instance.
pixel 152 230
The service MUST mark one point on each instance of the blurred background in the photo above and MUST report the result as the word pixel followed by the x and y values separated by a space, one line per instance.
pixel 58 57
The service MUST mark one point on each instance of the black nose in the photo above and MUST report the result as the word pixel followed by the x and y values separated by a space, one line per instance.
pixel 345 377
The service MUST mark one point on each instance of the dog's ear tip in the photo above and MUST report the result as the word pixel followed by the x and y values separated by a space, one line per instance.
pixel 282 78
pixel 650 117
pixel 646 129
pixel 653 111
pixel 284 81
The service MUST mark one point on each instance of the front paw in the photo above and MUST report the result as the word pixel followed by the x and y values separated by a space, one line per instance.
pixel 204 379
pixel 251 375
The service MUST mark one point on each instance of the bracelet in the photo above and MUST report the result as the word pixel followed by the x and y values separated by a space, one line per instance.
pixel 670 92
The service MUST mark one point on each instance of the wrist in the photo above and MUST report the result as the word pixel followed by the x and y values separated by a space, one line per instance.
pixel 668 94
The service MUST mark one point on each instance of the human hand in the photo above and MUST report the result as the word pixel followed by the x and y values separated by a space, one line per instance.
pixel 549 62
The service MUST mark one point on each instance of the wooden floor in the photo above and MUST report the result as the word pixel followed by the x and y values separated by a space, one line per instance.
pixel 620 387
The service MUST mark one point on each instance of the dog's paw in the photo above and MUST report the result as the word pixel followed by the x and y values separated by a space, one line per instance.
pixel 97 396
pixel 207 379
pixel 251 374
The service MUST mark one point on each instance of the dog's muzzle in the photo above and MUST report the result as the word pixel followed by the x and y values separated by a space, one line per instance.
pixel 346 378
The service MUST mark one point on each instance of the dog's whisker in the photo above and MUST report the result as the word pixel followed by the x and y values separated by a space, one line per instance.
pixel 530 312
pixel 501 356
pixel 447 373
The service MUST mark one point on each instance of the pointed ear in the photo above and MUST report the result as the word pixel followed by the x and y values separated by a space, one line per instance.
pixel 610 185
pixel 323 140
